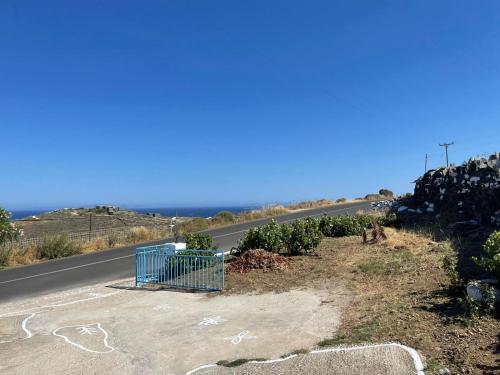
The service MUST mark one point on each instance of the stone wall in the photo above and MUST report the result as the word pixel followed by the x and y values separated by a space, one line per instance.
pixel 470 191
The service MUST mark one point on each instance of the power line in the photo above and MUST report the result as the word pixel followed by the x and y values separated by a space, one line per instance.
pixel 446 145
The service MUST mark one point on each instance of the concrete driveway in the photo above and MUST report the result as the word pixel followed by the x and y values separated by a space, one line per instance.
pixel 115 330
pixel 387 359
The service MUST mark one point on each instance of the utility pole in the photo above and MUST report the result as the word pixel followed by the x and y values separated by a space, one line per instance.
pixel 426 157
pixel 90 227
pixel 446 145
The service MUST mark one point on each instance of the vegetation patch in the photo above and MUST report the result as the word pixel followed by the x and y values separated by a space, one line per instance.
pixel 258 259
pixel 194 225
pixel 57 246
pixel 199 241
pixel 223 217
pixel 238 362
pixel 400 289
pixel 490 262
pixel 311 204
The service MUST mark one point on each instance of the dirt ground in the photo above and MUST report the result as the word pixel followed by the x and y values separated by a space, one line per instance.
pixel 400 295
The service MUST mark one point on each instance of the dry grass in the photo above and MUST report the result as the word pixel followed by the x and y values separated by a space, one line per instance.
pixel 21 257
pixel 261 213
pixel 96 245
pixel 406 240
pixel 311 204
pixel 24 256
pixel 399 290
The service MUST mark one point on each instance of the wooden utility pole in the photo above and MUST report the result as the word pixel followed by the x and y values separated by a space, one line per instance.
pixel 446 145
pixel 90 227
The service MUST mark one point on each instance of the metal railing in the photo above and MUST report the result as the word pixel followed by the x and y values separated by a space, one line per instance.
pixel 185 269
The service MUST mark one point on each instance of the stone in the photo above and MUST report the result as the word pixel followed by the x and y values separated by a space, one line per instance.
pixel 470 190
pixel 474 290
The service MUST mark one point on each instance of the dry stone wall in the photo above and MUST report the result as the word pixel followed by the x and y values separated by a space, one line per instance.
pixel 470 191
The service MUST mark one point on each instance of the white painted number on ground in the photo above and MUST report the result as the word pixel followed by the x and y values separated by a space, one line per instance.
pixel 86 330
pixel 161 308
pixel 212 321
pixel 239 337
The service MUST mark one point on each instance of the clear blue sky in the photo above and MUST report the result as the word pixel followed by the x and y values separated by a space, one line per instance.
pixel 197 102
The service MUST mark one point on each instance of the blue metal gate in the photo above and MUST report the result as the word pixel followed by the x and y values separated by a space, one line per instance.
pixel 186 269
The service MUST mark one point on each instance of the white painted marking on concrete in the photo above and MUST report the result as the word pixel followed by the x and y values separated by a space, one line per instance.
pixel 211 321
pixel 43 308
pixel 239 337
pixel 417 361
pixel 24 327
pixel 199 368
pixel 86 330
pixel 161 307
pixel 40 309
pixel 275 360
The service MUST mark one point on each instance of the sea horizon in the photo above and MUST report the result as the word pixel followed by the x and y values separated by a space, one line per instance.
pixel 201 211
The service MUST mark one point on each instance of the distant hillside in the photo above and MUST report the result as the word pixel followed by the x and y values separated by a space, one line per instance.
pixel 84 219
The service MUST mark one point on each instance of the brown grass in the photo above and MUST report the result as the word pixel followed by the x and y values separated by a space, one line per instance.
pixel 24 256
pixel 311 204
pixel 21 257
pixel 399 289
pixel 261 213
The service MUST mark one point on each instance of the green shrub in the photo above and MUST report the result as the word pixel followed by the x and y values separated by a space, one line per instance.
pixel 57 246
pixel 341 200
pixel 8 230
pixel 475 309
pixel 490 262
pixel 302 235
pixel 224 217
pixel 387 193
pixel 367 221
pixel 340 226
pixel 456 283
pixel 199 241
pixel 389 220
pixel 295 238
pixel 194 225
pixel 267 237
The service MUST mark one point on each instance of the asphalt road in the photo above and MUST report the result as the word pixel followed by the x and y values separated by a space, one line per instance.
pixel 88 269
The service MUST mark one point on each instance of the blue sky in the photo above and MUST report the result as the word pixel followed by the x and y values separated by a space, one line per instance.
pixel 179 103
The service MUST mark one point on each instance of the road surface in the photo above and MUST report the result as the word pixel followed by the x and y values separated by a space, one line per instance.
pixel 88 269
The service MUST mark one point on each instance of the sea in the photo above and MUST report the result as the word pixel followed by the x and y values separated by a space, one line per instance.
pixel 163 211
